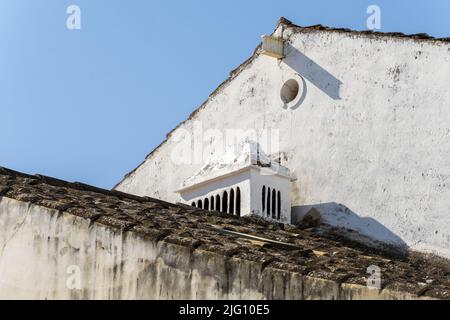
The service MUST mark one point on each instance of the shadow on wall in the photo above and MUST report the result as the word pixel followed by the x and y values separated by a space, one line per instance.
pixel 314 73
pixel 338 215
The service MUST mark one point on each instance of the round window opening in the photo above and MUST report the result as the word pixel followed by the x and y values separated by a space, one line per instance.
pixel 290 91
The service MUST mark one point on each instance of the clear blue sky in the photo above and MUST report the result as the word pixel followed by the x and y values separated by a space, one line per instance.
pixel 88 105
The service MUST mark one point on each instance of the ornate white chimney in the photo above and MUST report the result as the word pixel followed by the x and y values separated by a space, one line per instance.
pixel 251 183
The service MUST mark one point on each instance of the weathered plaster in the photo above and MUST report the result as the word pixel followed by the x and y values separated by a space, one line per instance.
pixel 371 132
pixel 39 246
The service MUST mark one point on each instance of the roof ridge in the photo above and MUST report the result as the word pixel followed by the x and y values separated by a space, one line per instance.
pixel 79 186
pixel 321 27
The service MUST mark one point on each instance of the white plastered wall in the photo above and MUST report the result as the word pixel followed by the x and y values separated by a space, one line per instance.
pixel 368 143
pixel 282 184
pixel 239 180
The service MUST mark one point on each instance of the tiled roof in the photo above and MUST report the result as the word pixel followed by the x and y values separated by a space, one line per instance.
pixel 311 251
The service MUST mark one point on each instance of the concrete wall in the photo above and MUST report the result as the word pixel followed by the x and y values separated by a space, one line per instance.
pixel 49 255
pixel 370 132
